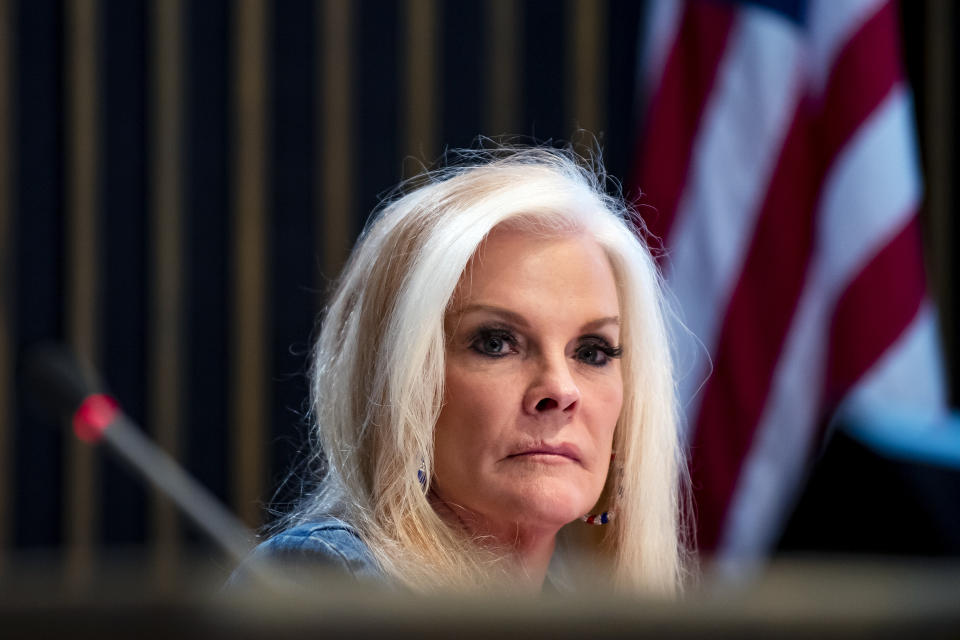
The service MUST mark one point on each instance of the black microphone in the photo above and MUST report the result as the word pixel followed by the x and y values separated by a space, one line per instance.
pixel 63 387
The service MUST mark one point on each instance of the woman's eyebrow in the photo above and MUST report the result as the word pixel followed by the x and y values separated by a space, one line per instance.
pixel 519 320
pixel 506 314
pixel 599 323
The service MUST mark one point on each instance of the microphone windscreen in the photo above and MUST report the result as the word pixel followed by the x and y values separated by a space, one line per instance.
pixel 57 381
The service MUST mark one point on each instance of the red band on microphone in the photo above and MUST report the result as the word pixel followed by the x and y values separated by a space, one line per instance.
pixel 93 416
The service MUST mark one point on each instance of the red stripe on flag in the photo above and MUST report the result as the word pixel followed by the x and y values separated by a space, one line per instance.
pixel 663 151
pixel 865 70
pixel 757 319
pixel 764 300
pixel 874 310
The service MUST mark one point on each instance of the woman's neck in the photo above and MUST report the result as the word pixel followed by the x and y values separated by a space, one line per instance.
pixel 531 548
pixel 533 557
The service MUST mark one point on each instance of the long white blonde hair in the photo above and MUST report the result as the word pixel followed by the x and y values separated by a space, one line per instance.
pixel 378 372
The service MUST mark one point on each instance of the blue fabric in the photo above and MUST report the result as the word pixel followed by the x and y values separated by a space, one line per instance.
pixel 907 435
pixel 304 551
pixel 308 552
pixel 794 10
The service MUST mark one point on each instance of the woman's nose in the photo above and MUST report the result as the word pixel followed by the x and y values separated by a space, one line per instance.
pixel 553 389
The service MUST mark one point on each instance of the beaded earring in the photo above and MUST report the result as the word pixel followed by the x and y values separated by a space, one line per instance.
pixel 605 517
pixel 598 518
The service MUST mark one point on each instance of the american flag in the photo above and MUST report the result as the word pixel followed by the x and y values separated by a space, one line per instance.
pixel 778 163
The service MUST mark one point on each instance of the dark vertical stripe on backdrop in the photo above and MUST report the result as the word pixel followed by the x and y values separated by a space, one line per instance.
pixel 954 266
pixel 39 271
pixel 420 87
pixel 83 247
pixel 248 369
pixel 165 324
pixel 623 25
pixel 295 268
pixel 206 202
pixel 377 167
pixel 7 277
pixel 502 59
pixel 544 49
pixel 462 45
pixel 335 137
pixel 586 61
pixel 122 185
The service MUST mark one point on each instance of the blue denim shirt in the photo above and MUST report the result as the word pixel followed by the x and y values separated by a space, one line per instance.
pixel 330 543
pixel 299 553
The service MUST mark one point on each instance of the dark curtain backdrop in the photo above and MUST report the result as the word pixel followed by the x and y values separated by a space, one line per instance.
pixel 181 181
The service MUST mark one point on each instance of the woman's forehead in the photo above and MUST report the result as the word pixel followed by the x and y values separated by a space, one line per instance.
pixel 523 270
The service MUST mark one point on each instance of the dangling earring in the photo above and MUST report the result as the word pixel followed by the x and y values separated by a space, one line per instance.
pixel 606 516
pixel 422 473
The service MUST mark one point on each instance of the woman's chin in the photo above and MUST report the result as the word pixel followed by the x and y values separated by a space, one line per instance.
pixel 551 507
pixel 542 503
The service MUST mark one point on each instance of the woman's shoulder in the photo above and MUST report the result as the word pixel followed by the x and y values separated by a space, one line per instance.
pixel 326 535
pixel 322 544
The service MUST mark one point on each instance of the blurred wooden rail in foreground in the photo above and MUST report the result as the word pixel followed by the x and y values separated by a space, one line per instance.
pixel 839 597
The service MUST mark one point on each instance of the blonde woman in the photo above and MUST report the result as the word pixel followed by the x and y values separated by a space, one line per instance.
pixel 492 391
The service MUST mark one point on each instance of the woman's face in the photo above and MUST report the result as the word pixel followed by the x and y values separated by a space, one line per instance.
pixel 533 382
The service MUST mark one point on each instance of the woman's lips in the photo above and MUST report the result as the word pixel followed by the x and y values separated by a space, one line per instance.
pixel 559 452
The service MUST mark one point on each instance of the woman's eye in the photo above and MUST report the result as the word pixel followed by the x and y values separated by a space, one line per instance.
pixel 493 343
pixel 592 355
pixel 597 354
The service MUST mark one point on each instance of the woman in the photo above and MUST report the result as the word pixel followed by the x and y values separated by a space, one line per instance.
pixel 493 369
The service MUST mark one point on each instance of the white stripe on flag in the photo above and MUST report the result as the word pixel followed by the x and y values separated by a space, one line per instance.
pixel 734 155
pixel 872 189
pixel 871 193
